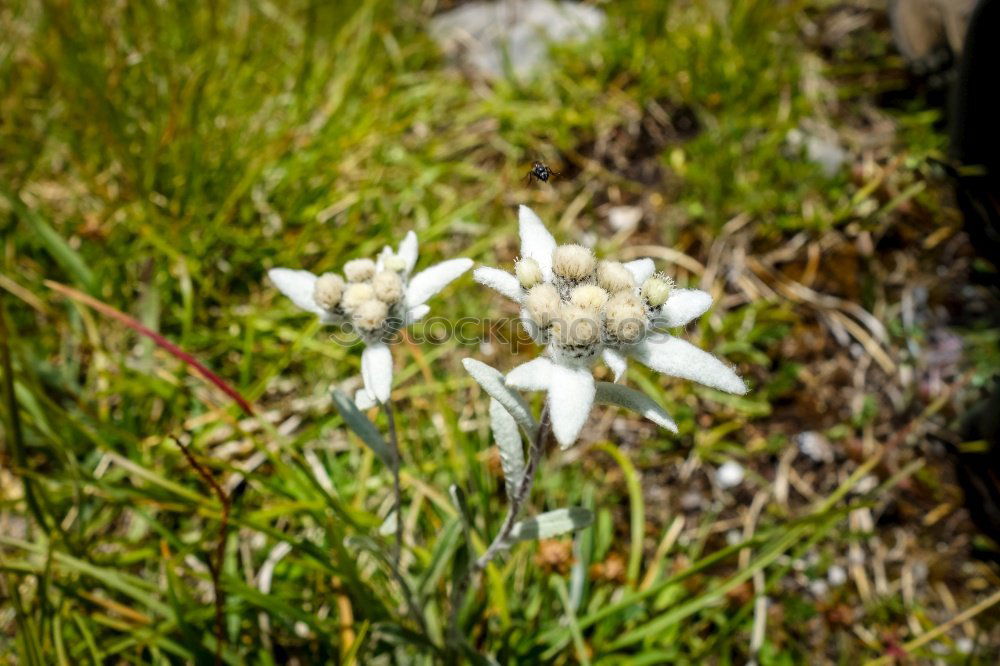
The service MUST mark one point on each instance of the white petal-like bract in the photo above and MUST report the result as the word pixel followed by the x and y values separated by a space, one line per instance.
pixel 571 395
pixel 614 360
pixel 380 260
pixel 536 241
pixel 431 280
pixel 416 313
pixel 616 394
pixel 500 281
pixel 376 371
pixel 363 400
pixel 531 376
pixel 408 250
pixel 640 269
pixel 683 306
pixel 678 358
pixel 298 286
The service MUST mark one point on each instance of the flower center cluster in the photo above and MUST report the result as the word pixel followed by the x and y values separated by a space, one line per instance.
pixel 588 304
pixel 371 298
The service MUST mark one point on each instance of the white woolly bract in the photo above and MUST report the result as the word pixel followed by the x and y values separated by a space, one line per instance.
pixel 376 371
pixel 430 281
pixel 571 395
pixel 500 281
pixel 678 358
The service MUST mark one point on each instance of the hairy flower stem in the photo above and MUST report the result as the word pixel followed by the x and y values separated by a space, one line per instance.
pixel 520 497
pixel 396 488
pixel 517 501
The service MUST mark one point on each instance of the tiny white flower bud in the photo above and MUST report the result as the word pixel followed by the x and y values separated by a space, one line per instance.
pixel 576 326
pixel 327 291
pixel 359 270
pixel 613 276
pixel 394 263
pixel 370 315
pixel 729 475
pixel 388 287
pixel 528 272
pixel 656 290
pixel 573 262
pixel 625 318
pixel 542 304
pixel 355 295
pixel 589 297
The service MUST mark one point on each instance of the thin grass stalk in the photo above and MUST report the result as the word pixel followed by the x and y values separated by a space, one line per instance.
pixel 215 563
pixel 15 433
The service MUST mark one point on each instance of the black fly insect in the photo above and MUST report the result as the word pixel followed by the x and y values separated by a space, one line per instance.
pixel 539 171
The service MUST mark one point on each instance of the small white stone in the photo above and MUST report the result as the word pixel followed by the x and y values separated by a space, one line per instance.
pixel 622 218
pixel 819 588
pixel 964 645
pixel 866 484
pixel 729 475
pixel 691 501
pixel 814 446
pixel 836 575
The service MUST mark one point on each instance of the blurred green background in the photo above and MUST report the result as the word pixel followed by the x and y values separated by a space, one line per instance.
pixel 161 156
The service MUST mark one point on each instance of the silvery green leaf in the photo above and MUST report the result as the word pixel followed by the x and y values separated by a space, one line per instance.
pixel 551 523
pixel 362 427
pixel 493 383
pixel 616 394
pixel 508 439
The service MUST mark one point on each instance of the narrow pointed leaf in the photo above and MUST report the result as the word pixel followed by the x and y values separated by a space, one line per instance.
pixel 551 523
pixel 508 439
pixel 493 383
pixel 362 427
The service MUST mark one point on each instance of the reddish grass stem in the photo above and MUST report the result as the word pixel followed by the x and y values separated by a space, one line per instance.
pixel 160 341
pixel 214 563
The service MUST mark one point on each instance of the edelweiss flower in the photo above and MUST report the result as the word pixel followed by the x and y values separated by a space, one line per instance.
pixel 377 297
pixel 583 309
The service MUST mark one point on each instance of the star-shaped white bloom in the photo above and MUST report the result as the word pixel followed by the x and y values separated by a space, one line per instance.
pixel 378 297
pixel 582 310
